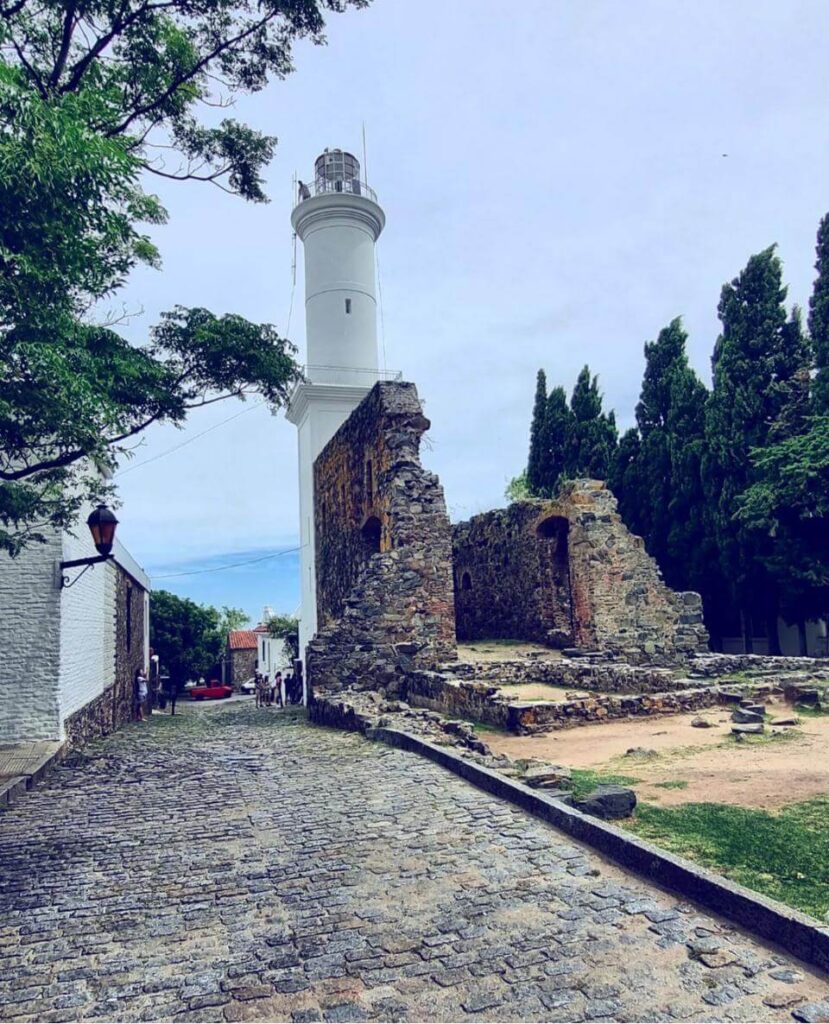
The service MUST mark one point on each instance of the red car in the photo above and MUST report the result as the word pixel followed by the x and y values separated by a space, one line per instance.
pixel 214 690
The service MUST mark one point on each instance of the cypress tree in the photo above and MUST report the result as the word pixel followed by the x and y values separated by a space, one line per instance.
pixel 819 321
pixel 557 422
pixel 691 561
pixel 790 393
pixel 744 402
pixel 656 471
pixel 536 456
pixel 593 435
pixel 623 479
pixel 662 358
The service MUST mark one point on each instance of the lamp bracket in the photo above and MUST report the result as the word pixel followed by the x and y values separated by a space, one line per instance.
pixel 87 563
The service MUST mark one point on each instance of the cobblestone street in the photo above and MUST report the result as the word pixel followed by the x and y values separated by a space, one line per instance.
pixel 235 864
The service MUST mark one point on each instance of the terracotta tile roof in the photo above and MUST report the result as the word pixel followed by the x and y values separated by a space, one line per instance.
pixel 241 639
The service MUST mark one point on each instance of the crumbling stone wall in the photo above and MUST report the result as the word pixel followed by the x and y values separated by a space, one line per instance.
pixel 510 581
pixel 383 549
pixel 569 573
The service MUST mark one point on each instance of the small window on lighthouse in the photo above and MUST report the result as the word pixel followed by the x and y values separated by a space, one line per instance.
pixel 348 305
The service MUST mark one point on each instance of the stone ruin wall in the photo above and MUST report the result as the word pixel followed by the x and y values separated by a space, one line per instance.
pixel 569 573
pixel 383 549
pixel 509 583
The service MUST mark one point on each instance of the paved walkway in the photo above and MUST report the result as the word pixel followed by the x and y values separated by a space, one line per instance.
pixel 235 864
pixel 21 764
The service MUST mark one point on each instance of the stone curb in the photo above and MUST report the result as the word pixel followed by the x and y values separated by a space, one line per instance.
pixel 798 934
pixel 11 789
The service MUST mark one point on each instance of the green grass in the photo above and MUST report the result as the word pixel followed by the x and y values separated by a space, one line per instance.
pixel 586 779
pixel 672 784
pixel 789 736
pixel 811 711
pixel 783 854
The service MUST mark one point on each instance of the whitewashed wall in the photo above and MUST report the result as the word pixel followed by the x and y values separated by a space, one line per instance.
pixel 30 643
pixel 87 637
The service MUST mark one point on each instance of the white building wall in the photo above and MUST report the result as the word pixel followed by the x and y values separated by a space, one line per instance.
pixel 816 640
pixel 29 643
pixel 87 640
pixel 340 306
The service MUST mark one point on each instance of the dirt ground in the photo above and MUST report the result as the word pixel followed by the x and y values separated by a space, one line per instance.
pixel 535 692
pixel 503 650
pixel 716 770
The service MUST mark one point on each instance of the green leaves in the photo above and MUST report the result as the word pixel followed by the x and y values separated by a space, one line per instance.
pixel 93 96
pixel 568 441
pixel 729 489
pixel 186 636
pixel 229 354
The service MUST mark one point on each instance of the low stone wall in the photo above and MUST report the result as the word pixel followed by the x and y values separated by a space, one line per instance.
pixel 712 665
pixel 606 677
pixel 483 703
pixel 99 717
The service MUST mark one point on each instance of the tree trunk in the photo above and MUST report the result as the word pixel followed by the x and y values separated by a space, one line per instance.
pixel 748 639
pixel 772 630
pixel 801 635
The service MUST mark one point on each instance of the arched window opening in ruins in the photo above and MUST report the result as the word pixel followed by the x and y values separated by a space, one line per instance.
pixel 466 581
pixel 369 482
pixel 553 527
pixel 371 532
pixel 554 563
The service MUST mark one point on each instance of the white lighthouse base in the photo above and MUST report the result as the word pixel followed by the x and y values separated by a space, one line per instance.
pixel 317 411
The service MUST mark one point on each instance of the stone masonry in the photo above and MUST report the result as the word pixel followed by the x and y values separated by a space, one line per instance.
pixel 569 573
pixel 383 549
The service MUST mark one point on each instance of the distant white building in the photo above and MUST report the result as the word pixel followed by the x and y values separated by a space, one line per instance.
pixel 69 654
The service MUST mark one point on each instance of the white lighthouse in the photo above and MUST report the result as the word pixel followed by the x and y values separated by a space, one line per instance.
pixel 339 221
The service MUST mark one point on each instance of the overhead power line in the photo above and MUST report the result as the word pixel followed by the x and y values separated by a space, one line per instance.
pixel 220 568
pixel 190 440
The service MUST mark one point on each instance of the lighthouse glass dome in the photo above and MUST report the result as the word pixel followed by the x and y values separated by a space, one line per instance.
pixel 336 165
pixel 338 171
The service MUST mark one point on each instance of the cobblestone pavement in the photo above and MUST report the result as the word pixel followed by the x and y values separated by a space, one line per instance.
pixel 234 864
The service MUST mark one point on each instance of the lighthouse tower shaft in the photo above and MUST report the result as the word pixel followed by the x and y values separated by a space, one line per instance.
pixel 339 221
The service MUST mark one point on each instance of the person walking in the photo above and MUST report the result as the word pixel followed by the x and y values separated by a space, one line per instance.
pixel 262 691
pixel 173 691
pixel 141 694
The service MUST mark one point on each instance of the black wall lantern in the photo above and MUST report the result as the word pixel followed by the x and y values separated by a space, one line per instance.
pixel 101 523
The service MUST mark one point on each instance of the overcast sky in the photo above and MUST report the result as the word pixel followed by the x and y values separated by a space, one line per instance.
pixel 560 179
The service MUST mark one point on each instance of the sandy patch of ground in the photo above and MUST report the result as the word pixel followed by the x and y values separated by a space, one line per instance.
pixel 763 775
pixel 535 692
pixel 503 650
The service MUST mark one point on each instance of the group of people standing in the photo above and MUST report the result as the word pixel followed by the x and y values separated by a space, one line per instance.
pixel 147 692
pixel 277 690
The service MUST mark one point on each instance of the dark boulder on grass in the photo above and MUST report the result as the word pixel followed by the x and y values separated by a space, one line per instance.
pixel 608 802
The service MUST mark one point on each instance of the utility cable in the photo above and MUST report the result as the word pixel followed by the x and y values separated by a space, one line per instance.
pixel 220 568
pixel 190 440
